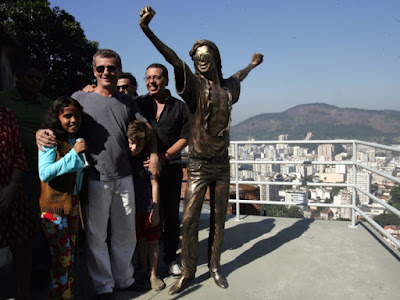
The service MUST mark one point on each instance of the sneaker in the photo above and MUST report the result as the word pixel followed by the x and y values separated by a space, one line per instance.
pixel 174 269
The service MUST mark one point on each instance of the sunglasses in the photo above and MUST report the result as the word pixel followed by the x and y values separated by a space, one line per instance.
pixel 205 57
pixel 124 87
pixel 111 69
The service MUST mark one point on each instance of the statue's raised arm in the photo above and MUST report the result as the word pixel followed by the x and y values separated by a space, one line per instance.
pixel 146 15
pixel 255 61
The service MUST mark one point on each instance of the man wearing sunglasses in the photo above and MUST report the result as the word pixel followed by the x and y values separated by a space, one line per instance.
pixel 107 114
pixel 168 117
pixel 209 98
pixel 127 84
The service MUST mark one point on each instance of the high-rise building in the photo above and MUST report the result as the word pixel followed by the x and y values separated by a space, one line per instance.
pixel 363 181
pixel 326 150
pixel 344 197
pixel 282 137
pixel 268 192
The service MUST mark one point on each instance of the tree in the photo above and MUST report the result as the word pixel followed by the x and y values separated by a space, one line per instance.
pixel 336 190
pixel 280 211
pixel 396 206
pixel 342 219
pixel 309 178
pixel 51 38
pixel 294 212
pixel 395 193
pixel 387 219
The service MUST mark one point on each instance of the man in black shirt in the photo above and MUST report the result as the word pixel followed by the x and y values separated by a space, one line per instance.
pixel 168 117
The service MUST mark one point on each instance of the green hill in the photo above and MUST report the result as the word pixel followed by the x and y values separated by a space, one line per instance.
pixel 325 122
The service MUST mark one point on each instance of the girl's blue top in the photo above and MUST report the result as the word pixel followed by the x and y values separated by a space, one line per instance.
pixel 71 162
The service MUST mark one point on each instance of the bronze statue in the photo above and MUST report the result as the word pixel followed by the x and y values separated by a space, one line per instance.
pixel 209 98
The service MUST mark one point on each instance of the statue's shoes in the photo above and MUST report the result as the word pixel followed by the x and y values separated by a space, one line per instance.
pixel 179 285
pixel 219 279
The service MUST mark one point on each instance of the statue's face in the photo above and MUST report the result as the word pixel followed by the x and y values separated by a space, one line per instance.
pixel 204 60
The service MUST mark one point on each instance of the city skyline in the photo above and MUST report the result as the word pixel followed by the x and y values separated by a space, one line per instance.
pixel 343 53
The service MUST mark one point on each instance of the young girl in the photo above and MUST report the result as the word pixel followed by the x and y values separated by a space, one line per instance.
pixel 60 171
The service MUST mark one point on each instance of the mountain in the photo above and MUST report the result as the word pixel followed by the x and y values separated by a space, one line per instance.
pixel 325 122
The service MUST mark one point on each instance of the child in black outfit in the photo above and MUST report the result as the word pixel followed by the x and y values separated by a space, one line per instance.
pixel 148 227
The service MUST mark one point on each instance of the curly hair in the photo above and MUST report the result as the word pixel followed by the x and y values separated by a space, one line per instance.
pixel 139 132
pixel 51 120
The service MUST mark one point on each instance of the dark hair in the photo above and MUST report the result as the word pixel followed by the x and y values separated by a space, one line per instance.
pixel 215 52
pixel 159 66
pixel 129 76
pixel 77 83
pixel 108 53
pixel 139 132
pixel 51 120
pixel 31 65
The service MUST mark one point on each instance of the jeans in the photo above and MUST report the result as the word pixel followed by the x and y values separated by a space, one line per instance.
pixel 114 200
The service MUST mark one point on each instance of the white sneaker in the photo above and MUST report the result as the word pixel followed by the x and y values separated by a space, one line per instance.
pixel 174 269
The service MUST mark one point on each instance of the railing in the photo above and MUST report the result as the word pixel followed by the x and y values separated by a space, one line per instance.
pixel 354 208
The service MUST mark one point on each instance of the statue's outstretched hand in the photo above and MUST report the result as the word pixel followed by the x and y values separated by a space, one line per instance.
pixel 146 14
pixel 257 58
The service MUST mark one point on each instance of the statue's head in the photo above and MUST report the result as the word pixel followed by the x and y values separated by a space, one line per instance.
pixel 205 51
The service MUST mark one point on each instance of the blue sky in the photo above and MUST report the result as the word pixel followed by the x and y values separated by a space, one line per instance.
pixel 343 53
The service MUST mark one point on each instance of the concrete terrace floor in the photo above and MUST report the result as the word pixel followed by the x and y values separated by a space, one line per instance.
pixel 282 258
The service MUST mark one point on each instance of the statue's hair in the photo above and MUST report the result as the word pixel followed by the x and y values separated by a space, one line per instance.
pixel 215 53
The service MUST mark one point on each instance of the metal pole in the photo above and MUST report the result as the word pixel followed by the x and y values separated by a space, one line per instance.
pixel 354 198
pixel 237 182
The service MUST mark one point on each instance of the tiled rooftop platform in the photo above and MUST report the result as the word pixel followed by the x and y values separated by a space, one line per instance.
pixel 282 258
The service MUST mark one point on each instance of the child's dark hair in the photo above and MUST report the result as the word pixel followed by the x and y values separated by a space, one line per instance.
pixel 139 132
pixel 52 121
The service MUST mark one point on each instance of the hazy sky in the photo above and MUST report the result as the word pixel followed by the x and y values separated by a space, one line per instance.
pixel 343 53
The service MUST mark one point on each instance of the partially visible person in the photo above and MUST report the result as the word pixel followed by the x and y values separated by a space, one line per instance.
pixel 29 106
pixel 168 117
pixel 60 171
pixel 148 229
pixel 16 222
pixel 127 84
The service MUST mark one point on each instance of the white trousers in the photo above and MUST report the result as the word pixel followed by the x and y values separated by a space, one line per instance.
pixel 115 200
